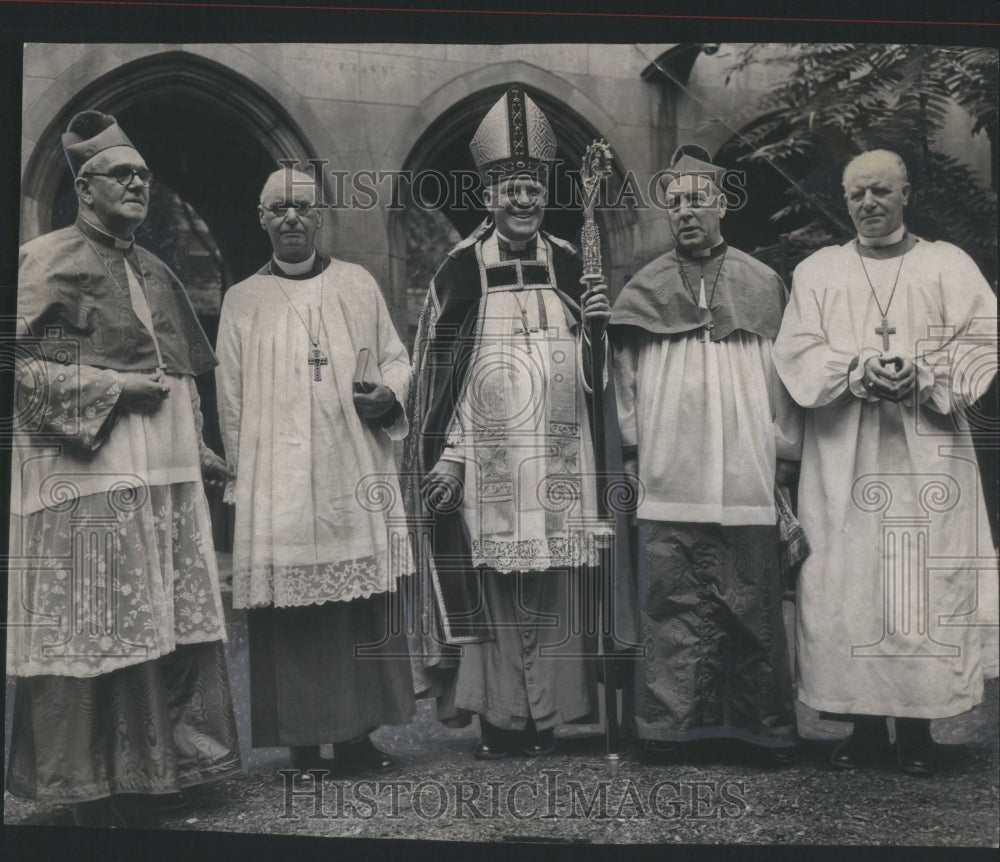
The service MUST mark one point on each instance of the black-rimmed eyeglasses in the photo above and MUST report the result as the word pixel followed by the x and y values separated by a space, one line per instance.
pixel 124 175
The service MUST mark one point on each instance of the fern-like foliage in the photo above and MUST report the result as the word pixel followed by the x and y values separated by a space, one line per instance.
pixel 835 100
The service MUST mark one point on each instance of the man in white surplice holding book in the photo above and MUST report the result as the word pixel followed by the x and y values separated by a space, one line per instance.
pixel 312 445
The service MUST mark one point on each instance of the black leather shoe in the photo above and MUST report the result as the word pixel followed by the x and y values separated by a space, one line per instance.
pixel 100 813
pixel 867 744
pixel 658 751
pixel 538 743
pixel 363 755
pixel 493 744
pixel 778 756
pixel 109 813
pixel 914 746
pixel 307 760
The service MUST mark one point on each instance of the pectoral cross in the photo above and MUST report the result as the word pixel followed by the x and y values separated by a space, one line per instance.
pixel 885 331
pixel 525 329
pixel 703 335
pixel 316 361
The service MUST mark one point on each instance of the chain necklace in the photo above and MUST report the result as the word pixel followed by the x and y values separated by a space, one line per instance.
pixel 525 327
pixel 160 367
pixel 316 358
pixel 884 330
pixel 703 336
pixel 508 247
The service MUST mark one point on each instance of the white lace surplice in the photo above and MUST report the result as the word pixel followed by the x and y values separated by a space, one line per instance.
pixel 315 484
pixel 112 558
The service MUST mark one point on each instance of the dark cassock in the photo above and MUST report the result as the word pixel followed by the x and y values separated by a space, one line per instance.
pixel 314 560
pixel 704 419
pixel 116 626
pixel 500 400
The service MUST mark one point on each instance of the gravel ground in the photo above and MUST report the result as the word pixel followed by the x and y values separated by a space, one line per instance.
pixel 722 796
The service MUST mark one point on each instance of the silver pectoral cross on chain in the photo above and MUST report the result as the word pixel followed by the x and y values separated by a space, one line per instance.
pixel 885 331
pixel 316 361
pixel 525 329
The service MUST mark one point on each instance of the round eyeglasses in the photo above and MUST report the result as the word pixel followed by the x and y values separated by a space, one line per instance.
pixel 124 175
pixel 281 210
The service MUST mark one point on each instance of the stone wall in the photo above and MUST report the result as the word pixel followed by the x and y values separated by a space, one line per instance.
pixel 366 107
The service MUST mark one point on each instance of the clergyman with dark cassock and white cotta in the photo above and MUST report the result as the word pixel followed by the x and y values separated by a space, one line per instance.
pixel 315 488
pixel 706 424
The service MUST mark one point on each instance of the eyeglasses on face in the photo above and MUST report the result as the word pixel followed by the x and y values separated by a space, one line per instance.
pixel 699 201
pixel 124 175
pixel 281 210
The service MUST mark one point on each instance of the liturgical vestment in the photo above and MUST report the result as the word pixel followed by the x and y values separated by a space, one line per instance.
pixel 703 410
pixel 116 620
pixel 511 405
pixel 897 603
pixel 316 488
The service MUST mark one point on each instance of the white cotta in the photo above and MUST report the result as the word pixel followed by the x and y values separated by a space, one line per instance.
pixel 709 419
pixel 316 489
pixel 897 604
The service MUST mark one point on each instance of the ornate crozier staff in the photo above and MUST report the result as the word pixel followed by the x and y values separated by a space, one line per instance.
pixel 595 168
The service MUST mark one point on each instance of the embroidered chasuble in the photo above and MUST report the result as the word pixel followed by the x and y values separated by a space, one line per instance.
pixel 521 426
pixel 315 483
pixel 897 604
pixel 499 386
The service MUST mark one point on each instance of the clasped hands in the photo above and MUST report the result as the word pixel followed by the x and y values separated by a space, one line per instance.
pixel 890 376
pixel 143 392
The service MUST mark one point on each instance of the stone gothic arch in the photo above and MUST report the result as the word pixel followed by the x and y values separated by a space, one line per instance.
pixel 210 131
pixel 211 128
pixel 437 136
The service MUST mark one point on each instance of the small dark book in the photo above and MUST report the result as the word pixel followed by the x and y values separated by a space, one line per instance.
pixel 366 372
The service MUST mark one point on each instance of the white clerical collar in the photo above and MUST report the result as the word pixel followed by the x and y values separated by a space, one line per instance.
pixel 298 268
pixel 490 248
pixel 882 241
pixel 110 238
pixel 704 252
pixel 516 245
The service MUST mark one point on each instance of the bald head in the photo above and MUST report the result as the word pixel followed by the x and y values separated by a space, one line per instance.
pixel 876 190
pixel 885 161
pixel 287 183
pixel 289 213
